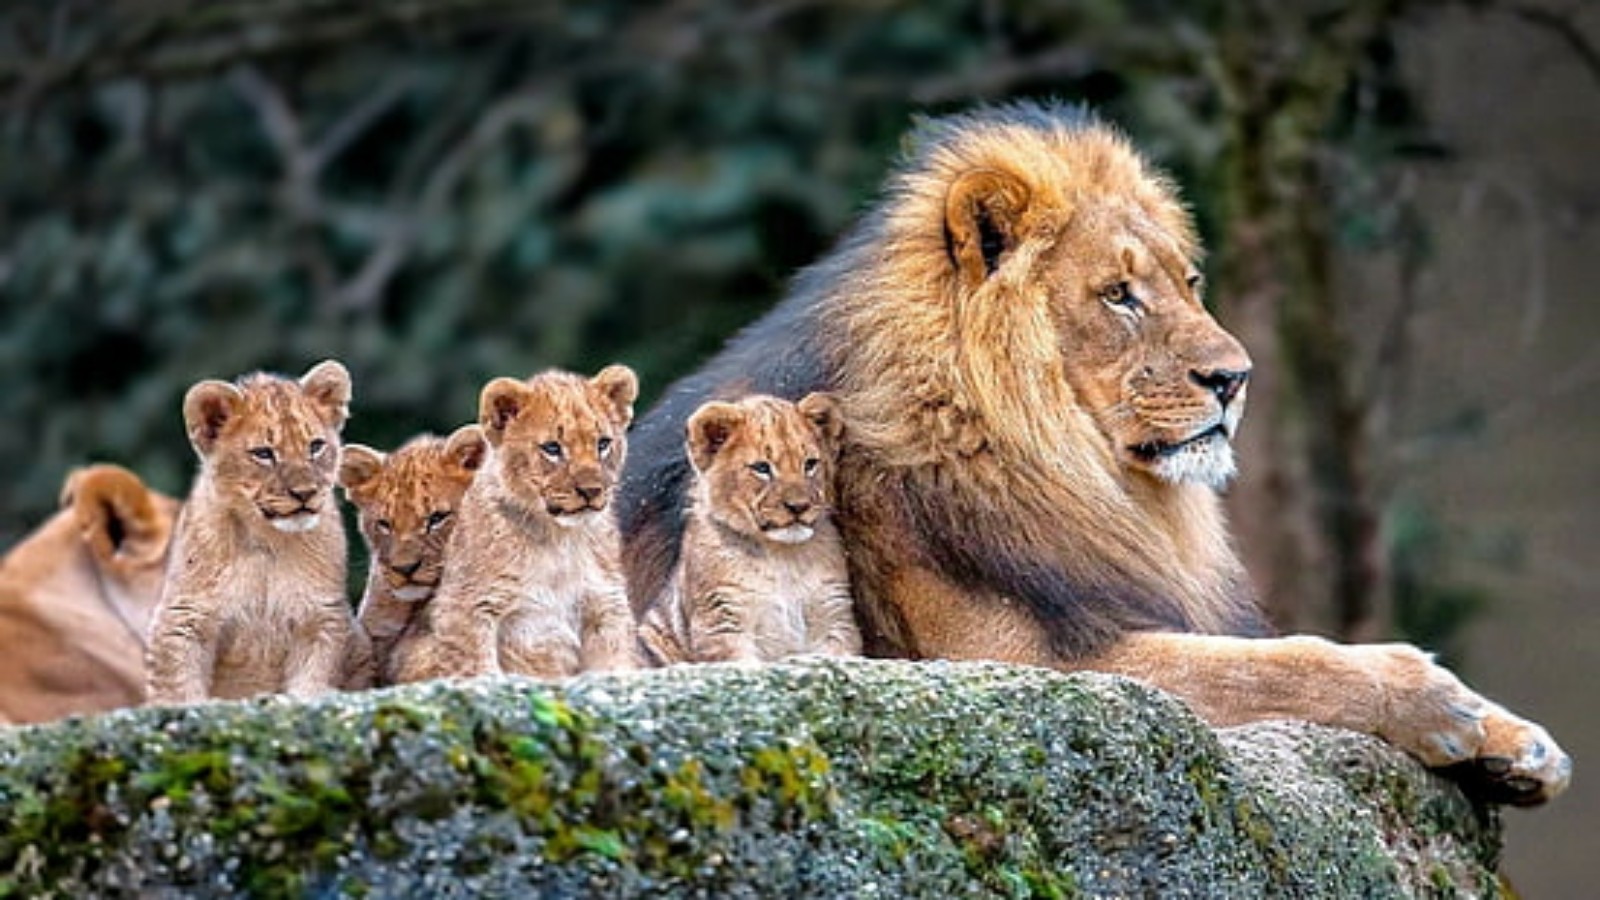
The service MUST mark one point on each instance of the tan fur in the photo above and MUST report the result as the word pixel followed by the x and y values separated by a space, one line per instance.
pixel 761 575
pixel 407 502
pixel 1039 415
pixel 533 580
pixel 76 597
pixel 254 599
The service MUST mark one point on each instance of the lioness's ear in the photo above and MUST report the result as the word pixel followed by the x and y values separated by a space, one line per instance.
pixel 116 515
pixel 823 411
pixel 620 387
pixel 467 448
pixel 328 385
pixel 709 429
pixel 502 399
pixel 208 407
pixel 358 465
pixel 983 214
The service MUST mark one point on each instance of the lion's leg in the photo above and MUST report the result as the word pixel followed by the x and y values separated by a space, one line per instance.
pixel 609 633
pixel 1394 691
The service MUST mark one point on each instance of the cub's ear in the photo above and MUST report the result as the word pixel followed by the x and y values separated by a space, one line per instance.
pixel 823 411
pixel 467 448
pixel 710 428
pixel 328 385
pixel 120 519
pixel 501 401
pixel 208 407
pixel 983 220
pixel 620 387
pixel 358 465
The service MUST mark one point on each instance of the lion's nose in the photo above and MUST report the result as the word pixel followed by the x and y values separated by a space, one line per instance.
pixel 303 493
pixel 408 570
pixel 1225 383
pixel 797 507
pixel 589 492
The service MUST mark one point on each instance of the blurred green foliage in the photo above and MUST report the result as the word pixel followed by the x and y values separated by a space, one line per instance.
pixel 435 209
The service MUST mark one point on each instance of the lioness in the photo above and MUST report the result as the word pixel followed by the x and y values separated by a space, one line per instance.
pixel 253 601
pixel 406 502
pixel 532 582
pixel 1039 413
pixel 76 596
pixel 761 574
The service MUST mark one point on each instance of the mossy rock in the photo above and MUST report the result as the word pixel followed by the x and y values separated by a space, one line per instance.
pixel 819 779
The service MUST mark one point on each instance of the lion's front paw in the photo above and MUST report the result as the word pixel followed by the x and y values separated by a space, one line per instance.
pixel 1433 716
pixel 1519 763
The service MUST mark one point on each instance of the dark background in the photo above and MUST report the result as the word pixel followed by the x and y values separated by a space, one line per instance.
pixel 1401 199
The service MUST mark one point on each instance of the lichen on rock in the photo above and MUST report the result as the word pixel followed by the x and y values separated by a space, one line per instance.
pixel 815 779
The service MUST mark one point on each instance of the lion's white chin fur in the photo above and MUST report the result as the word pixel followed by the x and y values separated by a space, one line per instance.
pixel 576 519
pixel 297 524
pixel 413 593
pixel 789 534
pixel 1209 463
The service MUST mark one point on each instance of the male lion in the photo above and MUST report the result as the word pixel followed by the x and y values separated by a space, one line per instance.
pixel 76 597
pixel 1039 413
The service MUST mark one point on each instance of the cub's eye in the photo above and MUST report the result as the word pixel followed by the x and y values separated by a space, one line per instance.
pixel 551 449
pixel 811 465
pixel 762 468
pixel 263 454
pixel 437 518
pixel 1194 281
pixel 383 526
pixel 603 445
pixel 1119 294
pixel 317 446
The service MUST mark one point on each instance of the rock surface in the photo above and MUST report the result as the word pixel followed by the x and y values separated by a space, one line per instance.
pixel 819 779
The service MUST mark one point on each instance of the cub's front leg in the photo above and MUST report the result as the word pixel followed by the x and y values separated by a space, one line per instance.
pixel 182 651
pixel 833 619
pixel 319 652
pixel 465 639
pixel 610 634
pixel 720 629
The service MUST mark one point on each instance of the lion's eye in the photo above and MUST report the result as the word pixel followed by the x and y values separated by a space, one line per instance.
pixel 437 518
pixel 552 449
pixel 811 465
pixel 317 446
pixel 263 454
pixel 1194 281
pixel 762 468
pixel 1119 294
pixel 603 445
pixel 383 526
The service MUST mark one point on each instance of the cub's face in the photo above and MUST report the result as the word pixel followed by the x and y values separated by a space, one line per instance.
pixel 407 503
pixel 559 439
pixel 271 445
pixel 766 465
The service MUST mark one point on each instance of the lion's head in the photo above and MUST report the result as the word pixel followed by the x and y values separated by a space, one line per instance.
pixel 766 465
pixel 558 438
pixel 271 444
pixel 406 502
pixel 1083 262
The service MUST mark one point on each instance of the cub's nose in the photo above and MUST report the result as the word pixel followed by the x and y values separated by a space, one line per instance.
pixel 797 507
pixel 408 570
pixel 303 494
pixel 590 492
pixel 1224 383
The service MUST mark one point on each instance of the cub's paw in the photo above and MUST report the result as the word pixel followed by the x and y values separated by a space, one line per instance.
pixel 1429 713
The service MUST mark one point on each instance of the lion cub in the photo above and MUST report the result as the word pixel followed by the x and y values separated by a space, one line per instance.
pixel 533 578
pixel 253 600
pixel 406 501
pixel 761 574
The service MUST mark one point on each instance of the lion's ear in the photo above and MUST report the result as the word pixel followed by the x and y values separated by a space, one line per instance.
pixel 467 448
pixel 328 385
pixel 620 387
pixel 501 401
pixel 823 411
pixel 208 407
pixel 116 514
pixel 358 464
pixel 709 430
pixel 983 213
